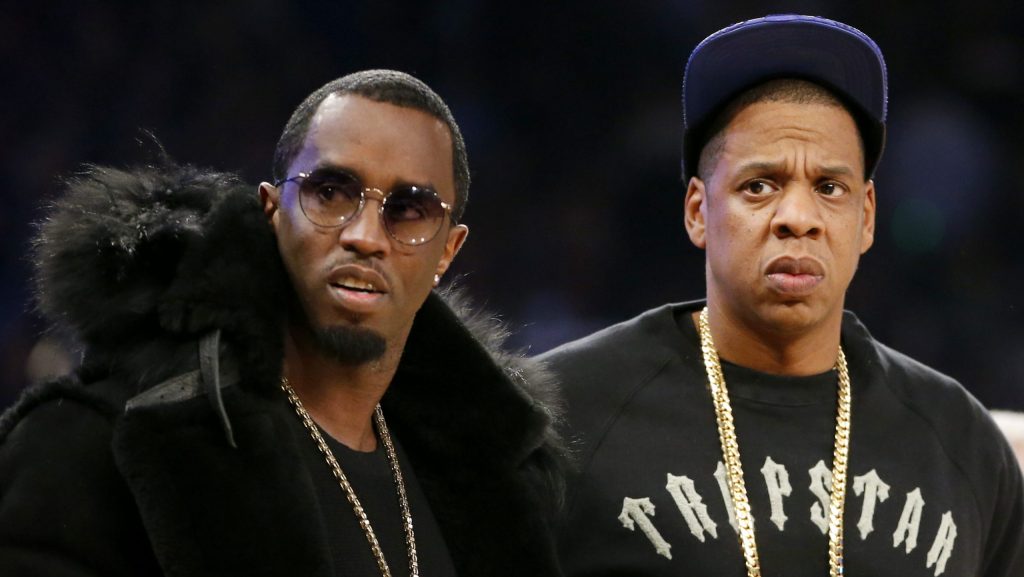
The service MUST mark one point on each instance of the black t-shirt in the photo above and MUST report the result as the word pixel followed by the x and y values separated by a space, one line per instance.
pixel 932 487
pixel 371 478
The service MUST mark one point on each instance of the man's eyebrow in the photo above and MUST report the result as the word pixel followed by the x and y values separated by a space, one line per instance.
pixel 334 167
pixel 428 185
pixel 760 166
pixel 327 166
pixel 837 170
pixel 763 166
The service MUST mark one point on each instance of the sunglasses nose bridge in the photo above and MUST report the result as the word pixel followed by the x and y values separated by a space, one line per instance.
pixel 375 194
pixel 370 193
pixel 365 224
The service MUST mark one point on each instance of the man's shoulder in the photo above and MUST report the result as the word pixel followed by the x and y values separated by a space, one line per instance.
pixel 56 431
pixel 600 372
pixel 63 400
pixel 953 415
pixel 941 400
pixel 915 383
pixel 63 502
pixel 634 342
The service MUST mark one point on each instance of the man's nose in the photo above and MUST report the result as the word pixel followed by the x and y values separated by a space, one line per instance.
pixel 798 213
pixel 365 232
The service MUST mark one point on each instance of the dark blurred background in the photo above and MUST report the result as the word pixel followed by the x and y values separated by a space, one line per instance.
pixel 572 117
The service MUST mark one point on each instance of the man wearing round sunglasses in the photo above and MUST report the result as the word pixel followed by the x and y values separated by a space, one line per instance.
pixel 271 386
pixel 763 431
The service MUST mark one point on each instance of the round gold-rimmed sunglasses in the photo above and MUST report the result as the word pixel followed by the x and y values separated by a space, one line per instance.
pixel 332 198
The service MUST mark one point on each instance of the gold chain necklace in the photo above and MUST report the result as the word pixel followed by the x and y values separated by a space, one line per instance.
pixel 734 468
pixel 350 493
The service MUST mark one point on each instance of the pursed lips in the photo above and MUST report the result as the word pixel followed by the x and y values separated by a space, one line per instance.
pixel 795 276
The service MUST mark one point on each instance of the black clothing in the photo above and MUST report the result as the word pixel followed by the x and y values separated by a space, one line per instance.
pixel 933 488
pixel 173 451
pixel 371 478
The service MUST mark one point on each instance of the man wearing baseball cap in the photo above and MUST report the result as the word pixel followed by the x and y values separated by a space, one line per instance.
pixel 763 431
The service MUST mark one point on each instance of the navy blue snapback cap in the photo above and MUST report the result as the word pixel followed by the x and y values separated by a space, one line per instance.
pixel 829 53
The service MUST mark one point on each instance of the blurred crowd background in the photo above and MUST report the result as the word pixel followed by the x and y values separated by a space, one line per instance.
pixel 571 113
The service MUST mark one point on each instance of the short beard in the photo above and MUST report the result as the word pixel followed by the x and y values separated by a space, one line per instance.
pixel 349 345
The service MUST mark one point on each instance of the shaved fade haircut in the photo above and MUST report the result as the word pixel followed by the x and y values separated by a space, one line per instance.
pixel 788 90
pixel 387 86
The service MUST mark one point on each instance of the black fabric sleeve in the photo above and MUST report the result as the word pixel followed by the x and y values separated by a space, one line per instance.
pixel 64 509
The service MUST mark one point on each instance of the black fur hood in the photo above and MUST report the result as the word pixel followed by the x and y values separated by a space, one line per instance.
pixel 137 264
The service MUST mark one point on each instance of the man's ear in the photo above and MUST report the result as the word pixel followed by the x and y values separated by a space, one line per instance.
pixel 452 245
pixel 694 212
pixel 867 237
pixel 270 200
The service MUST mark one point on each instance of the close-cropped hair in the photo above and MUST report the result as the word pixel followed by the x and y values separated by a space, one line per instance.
pixel 387 86
pixel 788 90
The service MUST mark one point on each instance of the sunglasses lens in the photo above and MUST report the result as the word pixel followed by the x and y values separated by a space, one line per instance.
pixel 329 198
pixel 413 215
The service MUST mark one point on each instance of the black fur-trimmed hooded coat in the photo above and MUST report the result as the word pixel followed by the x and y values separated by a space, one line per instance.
pixel 168 453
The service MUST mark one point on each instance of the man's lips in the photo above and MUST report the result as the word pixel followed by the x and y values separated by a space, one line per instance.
pixel 358 278
pixel 357 288
pixel 795 276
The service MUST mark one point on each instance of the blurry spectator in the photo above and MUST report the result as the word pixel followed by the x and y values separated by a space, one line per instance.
pixel 1012 425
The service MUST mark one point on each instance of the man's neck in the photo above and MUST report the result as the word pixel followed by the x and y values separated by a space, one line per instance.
pixel 796 353
pixel 339 397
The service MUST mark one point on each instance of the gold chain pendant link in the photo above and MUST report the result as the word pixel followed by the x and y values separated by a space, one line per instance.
pixel 734 467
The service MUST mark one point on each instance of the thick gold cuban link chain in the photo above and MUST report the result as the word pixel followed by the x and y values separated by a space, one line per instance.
pixel 734 467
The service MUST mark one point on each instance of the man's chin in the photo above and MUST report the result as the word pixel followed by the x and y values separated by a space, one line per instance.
pixel 350 345
pixel 797 317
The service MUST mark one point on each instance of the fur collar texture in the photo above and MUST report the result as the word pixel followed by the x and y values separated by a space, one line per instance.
pixel 140 264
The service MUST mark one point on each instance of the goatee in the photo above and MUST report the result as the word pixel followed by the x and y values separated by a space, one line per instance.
pixel 350 345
